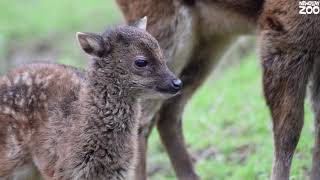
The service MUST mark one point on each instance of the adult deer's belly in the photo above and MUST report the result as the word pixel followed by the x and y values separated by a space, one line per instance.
pixel 216 20
pixel 183 41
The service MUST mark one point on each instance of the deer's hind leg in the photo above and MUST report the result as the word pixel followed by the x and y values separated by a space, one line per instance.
pixel 315 98
pixel 285 76
pixel 285 88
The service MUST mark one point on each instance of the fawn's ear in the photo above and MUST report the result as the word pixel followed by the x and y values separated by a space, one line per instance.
pixel 92 44
pixel 141 23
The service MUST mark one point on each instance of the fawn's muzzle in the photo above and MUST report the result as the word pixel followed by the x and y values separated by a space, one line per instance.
pixel 170 86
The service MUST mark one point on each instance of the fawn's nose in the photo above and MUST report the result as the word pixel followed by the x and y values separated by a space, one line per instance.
pixel 177 84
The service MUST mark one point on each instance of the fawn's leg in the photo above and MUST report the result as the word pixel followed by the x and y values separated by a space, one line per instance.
pixel 315 98
pixel 170 114
pixel 285 76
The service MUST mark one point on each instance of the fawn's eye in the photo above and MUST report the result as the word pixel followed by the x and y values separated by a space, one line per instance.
pixel 141 63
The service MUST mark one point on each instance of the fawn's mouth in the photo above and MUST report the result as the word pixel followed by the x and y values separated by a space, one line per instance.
pixel 171 88
pixel 170 91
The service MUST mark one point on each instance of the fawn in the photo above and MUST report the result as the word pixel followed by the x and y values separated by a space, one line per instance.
pixel 70 124
pixel 194 34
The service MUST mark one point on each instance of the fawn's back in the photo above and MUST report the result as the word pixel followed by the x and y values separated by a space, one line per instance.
pixel 33 99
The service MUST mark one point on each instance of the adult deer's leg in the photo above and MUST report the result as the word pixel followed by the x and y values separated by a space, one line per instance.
pixel 315 98
pixel 288 52
pixel 141 167
pixel 170 115
pixel 285 76
pixel 140 171
pixel 31 174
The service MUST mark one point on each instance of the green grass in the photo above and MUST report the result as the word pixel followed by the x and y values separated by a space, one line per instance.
pixel 57 19
pixel 228 114
pixel 37 18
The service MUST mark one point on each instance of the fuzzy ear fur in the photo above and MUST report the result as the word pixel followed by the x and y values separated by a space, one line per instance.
pixel 141 23
pixel 92 44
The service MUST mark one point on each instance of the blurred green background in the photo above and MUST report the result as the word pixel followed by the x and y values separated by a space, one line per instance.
pixel 227 125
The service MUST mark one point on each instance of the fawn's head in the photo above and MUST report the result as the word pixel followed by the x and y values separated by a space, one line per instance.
pixel 132 58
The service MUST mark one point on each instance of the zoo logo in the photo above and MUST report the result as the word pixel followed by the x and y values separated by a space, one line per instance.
pixel 309 7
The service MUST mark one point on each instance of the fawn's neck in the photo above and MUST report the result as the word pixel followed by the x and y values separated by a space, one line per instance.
pixel 108 104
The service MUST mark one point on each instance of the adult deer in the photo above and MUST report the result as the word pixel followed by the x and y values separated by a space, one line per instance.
pixel 194 34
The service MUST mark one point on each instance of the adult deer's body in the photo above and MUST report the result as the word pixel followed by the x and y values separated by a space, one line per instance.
pixel 195 34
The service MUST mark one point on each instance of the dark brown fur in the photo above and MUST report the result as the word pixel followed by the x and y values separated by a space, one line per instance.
pixel 288 46
pixel 69 124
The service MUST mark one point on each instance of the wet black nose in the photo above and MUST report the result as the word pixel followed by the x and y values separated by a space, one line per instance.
pixel 176 84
